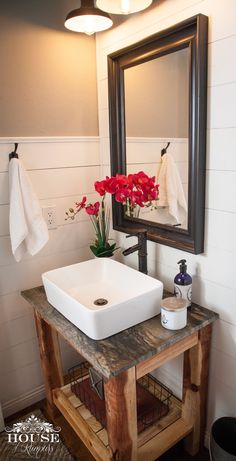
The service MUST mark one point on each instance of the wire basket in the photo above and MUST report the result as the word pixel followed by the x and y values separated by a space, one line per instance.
pixel 153 401
pixel 153 398
pixel 90 394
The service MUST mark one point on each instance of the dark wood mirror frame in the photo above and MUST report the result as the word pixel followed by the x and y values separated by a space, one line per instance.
pixel 190 33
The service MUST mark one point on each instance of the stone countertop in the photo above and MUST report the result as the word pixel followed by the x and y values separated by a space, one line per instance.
pixel 126 349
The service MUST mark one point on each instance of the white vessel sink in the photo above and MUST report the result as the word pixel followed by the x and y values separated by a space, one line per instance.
pixel 131 297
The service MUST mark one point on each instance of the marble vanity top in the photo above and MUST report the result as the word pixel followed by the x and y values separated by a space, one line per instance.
pixel 126 349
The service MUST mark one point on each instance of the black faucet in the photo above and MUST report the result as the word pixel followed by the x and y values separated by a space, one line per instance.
pixel 141 247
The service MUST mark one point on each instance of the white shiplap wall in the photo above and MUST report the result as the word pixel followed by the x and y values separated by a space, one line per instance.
pixel 62 170
pixel 214 274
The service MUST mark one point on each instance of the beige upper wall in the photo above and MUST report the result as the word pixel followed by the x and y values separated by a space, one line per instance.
pixel 48 74
pixel 156 97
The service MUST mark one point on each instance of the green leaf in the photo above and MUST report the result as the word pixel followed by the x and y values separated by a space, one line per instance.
pixel 112 247
pixel 94 249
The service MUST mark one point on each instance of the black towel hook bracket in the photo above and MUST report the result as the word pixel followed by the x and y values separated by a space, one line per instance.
pixel 14 153
pixel 163 151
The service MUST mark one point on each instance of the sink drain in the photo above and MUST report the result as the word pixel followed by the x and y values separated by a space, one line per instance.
pixel 100 302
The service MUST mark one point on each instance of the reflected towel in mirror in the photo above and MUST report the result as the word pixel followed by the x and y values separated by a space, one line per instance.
pixel 171 193
pixel 28 230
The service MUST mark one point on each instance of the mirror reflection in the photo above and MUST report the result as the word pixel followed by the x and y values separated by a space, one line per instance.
pixel 156 118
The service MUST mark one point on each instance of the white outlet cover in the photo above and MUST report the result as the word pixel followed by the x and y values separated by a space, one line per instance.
pixel 49 214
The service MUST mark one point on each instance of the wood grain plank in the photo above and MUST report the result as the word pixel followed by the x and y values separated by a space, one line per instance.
pixel 50 360
pixel 103 436
pixel 67 389
pixel 159 444
pixel 195 385
pixel 95 425
pixel 171 352
pixel 80 426
pixel 75 401
pixel 173 415
pixel 120 398
pixel 84 412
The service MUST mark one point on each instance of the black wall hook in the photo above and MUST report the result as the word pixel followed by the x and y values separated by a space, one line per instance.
pixel 14 154
pixel 163 151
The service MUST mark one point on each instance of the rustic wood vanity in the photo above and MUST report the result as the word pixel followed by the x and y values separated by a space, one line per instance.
pixel 121 360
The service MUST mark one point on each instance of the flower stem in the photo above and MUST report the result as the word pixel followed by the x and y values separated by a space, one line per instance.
pixel 103 221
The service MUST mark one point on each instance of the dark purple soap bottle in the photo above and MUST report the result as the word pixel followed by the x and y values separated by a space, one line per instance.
pixel 183 283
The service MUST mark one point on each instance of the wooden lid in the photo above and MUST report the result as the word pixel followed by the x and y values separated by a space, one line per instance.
pixel 174 304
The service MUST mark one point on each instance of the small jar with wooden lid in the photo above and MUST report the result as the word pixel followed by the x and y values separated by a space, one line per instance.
pixel 174 313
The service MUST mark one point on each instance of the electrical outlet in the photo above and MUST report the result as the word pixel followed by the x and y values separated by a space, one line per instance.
pixel 49 214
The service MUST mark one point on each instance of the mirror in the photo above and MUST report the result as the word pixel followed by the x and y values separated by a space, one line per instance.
pixel 154 118
pixel 157 103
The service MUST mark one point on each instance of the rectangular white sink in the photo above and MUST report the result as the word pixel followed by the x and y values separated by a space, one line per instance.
pixel 131 297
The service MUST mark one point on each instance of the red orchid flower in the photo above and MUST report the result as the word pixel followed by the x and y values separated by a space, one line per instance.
pixel 81 204
pixel 137 198
pixel 111 184
pixel 122 194
pixel 134 190
pixel 100 187
pixel 122 180
pixel 93 209
pixel 140 179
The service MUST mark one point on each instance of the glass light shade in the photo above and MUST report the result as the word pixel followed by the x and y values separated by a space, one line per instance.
pixel 88 20
pixel 123 6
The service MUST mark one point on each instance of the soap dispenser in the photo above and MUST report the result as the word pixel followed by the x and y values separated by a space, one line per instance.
pixel 183 283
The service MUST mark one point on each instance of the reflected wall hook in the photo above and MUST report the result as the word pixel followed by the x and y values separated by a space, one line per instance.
pixel 14 154
pixel 163 151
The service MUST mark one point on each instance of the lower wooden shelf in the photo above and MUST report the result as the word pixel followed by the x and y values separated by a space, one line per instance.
pixel 86 426
pixel 161 442
pixel 152 442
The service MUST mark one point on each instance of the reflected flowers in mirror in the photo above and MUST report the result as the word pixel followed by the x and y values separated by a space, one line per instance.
pixel 136 191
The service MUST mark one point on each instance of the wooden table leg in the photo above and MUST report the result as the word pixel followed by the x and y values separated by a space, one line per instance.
pixel 50 361
pixel 195 383
pixel 121 409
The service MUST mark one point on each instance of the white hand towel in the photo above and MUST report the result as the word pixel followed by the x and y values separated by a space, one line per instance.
pixel 171 192
pixel 28 230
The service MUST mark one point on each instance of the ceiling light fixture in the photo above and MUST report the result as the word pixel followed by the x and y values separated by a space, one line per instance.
pixel 123 6
pixel 88 19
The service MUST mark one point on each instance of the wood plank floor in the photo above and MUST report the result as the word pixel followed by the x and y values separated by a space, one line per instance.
pixel 80 452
